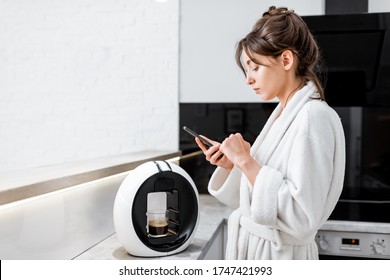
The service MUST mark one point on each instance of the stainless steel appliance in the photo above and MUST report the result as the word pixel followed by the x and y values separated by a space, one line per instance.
pixel 347 240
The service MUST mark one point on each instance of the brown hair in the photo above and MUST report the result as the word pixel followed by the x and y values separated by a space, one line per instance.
pixel 280 29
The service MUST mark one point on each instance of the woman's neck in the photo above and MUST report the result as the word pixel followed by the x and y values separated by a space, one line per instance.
pixel 289 93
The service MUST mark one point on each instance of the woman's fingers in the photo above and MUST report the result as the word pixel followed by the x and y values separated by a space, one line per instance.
pixel 216 157
pixel 202 146
pixel 210 140
pixel 213 154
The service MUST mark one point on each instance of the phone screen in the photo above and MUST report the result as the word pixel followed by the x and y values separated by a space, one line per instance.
pixel 193 133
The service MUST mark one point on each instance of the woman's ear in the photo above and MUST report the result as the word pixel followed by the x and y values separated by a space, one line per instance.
pixel 287 59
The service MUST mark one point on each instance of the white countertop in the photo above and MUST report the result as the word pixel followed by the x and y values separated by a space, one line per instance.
pixel 212 214
pixel 353 226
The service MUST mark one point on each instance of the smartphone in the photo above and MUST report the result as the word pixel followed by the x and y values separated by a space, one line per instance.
pixel 193 133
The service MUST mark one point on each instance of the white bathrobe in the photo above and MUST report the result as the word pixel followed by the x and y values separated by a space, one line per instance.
pixel 302 158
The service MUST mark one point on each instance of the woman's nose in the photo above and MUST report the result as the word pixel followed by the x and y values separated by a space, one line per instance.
pixel 249 80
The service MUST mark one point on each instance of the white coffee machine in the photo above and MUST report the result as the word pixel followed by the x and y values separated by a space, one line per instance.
pixel 156 210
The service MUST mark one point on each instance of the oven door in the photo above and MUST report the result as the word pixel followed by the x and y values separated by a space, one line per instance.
pixel 367 138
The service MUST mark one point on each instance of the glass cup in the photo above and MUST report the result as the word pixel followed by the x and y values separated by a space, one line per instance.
pixel 157 222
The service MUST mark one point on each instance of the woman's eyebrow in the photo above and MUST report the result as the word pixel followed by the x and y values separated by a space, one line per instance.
pixel 248 62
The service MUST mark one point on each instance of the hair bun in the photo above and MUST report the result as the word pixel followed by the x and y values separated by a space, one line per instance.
pixel 271 8
pixel 273 11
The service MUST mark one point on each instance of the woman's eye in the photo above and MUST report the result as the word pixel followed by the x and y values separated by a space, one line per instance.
pixel 255 69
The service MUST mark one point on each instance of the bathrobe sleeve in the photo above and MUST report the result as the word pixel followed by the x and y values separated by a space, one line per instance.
pixel 225 186
pixel 296 202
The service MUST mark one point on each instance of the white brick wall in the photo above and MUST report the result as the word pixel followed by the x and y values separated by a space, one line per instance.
pixel 86 78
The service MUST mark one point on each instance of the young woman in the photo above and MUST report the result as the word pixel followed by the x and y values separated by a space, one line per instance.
pixel 286 185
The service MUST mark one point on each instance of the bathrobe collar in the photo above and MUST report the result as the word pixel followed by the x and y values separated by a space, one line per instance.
pixel 276 127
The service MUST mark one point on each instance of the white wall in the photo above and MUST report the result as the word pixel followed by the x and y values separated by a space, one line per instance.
pixel 82 79
pixel 209 31
pixel 378 6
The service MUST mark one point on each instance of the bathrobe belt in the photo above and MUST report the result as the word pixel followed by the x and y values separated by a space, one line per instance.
pixel 279 238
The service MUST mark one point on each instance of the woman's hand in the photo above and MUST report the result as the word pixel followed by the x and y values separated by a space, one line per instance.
pixel 214 155
pixel 237 150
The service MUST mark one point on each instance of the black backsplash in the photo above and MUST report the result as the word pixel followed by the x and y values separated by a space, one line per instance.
pixel 366 132
pixel 217 121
